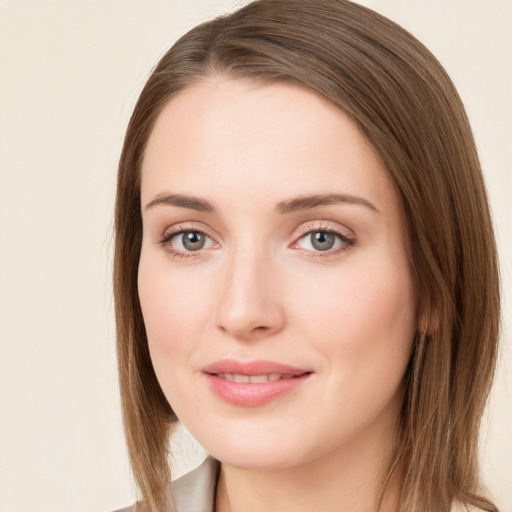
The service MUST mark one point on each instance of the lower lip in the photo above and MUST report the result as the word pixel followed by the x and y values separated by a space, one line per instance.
pixel 253 394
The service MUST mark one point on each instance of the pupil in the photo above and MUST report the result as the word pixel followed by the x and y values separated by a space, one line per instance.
pixel 322 241
pixel 193 241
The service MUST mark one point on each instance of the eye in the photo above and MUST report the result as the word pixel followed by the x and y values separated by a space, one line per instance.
pixel 324 240
pixel 186 241
pixel 321 240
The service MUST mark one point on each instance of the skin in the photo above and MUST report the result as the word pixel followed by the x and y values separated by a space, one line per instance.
pixel 260 290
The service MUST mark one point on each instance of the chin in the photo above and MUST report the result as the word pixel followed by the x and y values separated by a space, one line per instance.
pixel 259 452
pixel 257 459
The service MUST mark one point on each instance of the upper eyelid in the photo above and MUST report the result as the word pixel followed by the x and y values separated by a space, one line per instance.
pixel 344 238
pixel 323 225
pixel 184 227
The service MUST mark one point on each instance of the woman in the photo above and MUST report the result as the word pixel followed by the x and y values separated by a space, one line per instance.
pixel 305 268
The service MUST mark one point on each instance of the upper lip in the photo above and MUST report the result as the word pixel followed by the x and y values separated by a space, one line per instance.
pixel 252 368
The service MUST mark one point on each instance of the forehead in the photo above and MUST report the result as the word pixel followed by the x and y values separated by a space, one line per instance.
pixel 225 134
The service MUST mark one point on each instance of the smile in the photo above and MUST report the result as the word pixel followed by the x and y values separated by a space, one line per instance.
pixel 254 383
pixel 270 377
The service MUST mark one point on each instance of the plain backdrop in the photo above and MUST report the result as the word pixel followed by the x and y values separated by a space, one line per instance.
pixel 70 72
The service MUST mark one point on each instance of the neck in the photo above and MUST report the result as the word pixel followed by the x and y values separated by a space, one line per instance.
pixel 347 480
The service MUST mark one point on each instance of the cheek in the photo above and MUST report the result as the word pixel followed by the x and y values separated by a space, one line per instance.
pixel 175 307
pixel 363 325
pixel 363 318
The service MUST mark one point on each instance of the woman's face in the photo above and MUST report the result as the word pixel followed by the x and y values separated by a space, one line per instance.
pixel 274 281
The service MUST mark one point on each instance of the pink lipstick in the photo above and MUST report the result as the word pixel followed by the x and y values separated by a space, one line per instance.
pixel 254 383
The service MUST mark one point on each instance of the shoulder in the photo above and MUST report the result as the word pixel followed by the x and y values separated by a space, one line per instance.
pixel 193 492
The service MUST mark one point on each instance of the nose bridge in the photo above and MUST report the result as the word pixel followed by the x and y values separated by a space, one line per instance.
pixel 249 305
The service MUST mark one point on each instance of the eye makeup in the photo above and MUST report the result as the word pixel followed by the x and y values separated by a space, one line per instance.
pixel 314 240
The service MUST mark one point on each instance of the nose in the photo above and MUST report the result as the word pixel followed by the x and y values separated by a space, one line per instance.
pixel 250 305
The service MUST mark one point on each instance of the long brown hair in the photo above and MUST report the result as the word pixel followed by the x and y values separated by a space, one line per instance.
pixel 402 100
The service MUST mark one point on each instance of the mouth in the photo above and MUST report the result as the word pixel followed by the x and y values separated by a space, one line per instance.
pixel 255 383
pixel 225 368
pixel 269 377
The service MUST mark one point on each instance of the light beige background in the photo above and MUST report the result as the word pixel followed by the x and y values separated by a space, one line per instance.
pixel 70 72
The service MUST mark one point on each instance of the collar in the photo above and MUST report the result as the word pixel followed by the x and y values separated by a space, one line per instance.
pixel 195 491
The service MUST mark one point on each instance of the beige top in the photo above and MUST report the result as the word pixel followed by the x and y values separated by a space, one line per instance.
pixel 195 491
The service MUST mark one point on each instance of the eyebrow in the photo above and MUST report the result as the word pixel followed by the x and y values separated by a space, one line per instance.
pixel 189 202
pixel 304 203
pixel 297 204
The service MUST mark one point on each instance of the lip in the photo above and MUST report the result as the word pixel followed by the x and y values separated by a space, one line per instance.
pixel 253 394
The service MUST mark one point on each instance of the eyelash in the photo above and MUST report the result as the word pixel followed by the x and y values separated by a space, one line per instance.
pixel 168 236
pixel 347 242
